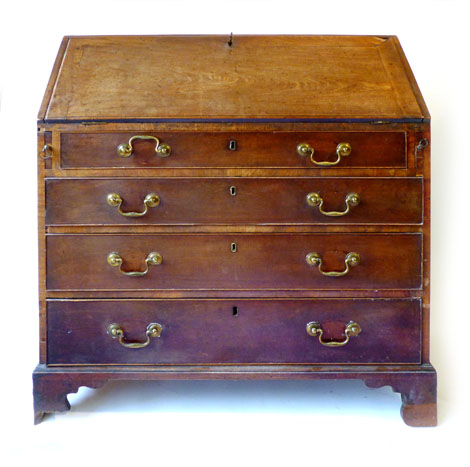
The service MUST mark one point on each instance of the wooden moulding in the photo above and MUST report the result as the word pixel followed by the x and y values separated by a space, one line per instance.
pixel 416 384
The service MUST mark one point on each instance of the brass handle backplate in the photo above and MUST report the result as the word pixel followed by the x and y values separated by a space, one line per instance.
pixel 152 200
pixel 352 259
pixel 352 330
pixel 342 150
pixel 153 330
pixel 126 150
pixel 314 199
pixel 153 259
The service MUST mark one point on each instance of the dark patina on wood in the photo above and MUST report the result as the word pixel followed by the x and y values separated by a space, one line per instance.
pixel 238 215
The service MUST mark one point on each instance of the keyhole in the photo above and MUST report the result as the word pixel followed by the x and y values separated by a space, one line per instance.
pixel 233 190
pixel 233 247
pixel 232 145
pixel 235 311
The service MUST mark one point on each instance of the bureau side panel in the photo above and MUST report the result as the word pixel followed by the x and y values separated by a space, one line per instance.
pixel 44 137
pixel 423 164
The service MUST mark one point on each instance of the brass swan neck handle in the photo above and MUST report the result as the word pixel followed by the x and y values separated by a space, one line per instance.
pixel 314 329
pixel 314 199
pixel 152 200
pixel 153 259
pixel 351 259
pixel 126 149
pixel 153 330
pixel 342 150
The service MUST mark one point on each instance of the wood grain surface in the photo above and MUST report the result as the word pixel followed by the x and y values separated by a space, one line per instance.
pixel 256 77
pixel 234 201
pixel 253 149
pixel 79 262
pixel 234 331
pixel 234 291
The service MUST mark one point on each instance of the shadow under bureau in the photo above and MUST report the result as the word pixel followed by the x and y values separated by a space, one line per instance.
pixel 253 208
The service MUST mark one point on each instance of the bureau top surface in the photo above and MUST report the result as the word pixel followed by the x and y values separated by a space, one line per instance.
pixel 238 78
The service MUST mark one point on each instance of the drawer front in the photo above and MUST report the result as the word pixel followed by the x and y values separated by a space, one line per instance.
pixel 234 262
pixel 233 331
pixel 234 201
pixel 225 150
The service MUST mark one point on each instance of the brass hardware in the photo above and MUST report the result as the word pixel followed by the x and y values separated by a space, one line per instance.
pixel 352 259
pixel 342 150
pixel 153 259
pixel 352 330
pixel 232 145
pixel 233 190
pixel 151 200
pixel 314 199
pixel 422 144
pixel 304 149
pixel 163 150
pixel 233 247
pixel 153 330
pixel 126 150
pixel 47 151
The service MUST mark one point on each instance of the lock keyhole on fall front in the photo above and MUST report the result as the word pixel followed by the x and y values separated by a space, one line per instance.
pixel 235 311
pixel 232 145
pixel 233 247
pixel 233 190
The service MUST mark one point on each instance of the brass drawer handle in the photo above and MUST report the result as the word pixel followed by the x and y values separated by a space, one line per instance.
pixel 153 259
pixel 314 199
pixel 342 150
pixel 352 330
pixel 152 200
pixel 46 152
pixel 126 150
pixel 352 259
pixel 153 330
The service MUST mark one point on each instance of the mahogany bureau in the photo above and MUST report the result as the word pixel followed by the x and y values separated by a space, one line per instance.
pixel 246 207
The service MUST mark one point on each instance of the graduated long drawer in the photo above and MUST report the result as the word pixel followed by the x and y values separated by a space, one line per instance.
pixel 180 149
pixel 234 262
pixel 233 331
pixel 190 201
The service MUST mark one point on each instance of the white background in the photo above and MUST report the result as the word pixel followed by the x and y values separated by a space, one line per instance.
pixel 228 423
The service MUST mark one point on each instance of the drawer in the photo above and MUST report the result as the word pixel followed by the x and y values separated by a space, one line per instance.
pixel 238 149
pixel 233 331
pixel 233 262
pixel 191 201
